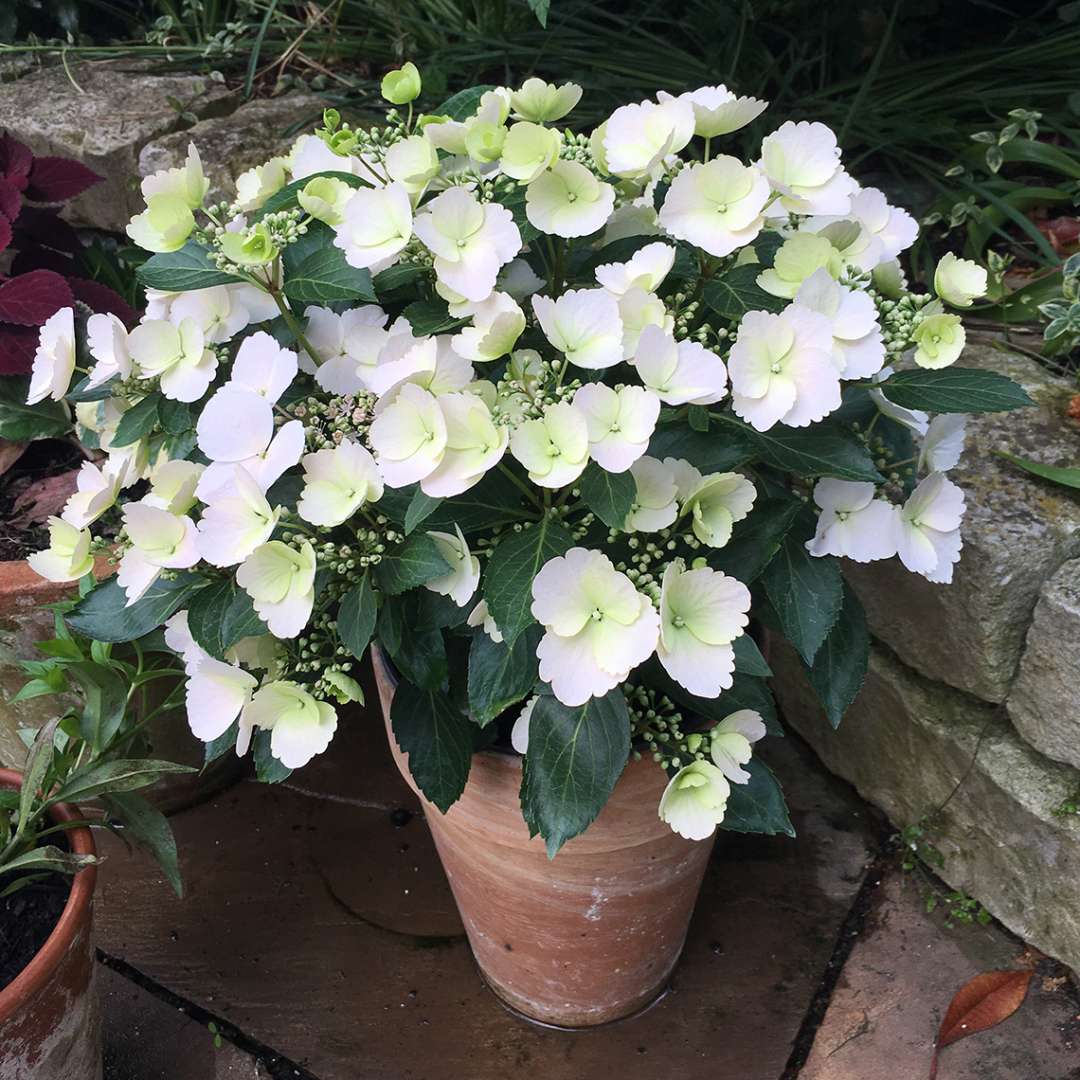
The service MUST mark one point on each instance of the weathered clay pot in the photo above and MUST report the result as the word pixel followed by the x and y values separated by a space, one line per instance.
pixel 587 937
pixel 50 1015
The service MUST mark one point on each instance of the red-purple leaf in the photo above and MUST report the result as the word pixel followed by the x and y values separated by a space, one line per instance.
pixel 10 199
pixel 17 347
pixel 30 299
pixel 101 298
pixel 5 233
pixel 15 160
pixel 43 225
pixel 40 257
pixel 56 179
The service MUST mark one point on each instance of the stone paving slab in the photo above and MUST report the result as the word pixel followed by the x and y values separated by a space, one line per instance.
pixel 318 921
pixel 897 984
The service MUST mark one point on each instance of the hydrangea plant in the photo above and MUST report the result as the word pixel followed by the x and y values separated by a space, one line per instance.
pixel 549 415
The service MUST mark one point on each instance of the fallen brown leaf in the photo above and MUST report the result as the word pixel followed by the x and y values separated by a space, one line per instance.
pixel 10 452
pixel 979 1004
pixel 42 499
pixel 1073 408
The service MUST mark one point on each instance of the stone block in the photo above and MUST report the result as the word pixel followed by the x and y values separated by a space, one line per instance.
pixel 103 115
pixel 919 749
pixel 1017 532
pixel 229 145
pixel 1044 703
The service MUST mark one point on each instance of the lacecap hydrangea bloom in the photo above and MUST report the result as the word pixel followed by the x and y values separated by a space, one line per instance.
pixel 547 414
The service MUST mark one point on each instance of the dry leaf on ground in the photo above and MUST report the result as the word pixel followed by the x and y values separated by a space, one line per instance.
pixel 42 499
pixel 10 452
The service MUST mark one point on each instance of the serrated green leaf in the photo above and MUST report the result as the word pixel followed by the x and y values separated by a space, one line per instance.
pixel 575 757
pixel 185 270
pixel 718 451
pixel 610 496
pixel 417 561
pixel 839 668
pixel 421 507
pixel 396 277
pixel 500 675
pixel 745 692
pixel 222 614
pixel 748 658
pixel 150 829
pixel 138 421
pixel 496 500
pixel 428 317
pixel 104 615
pixel 268 770
pixel 356 617
pixel 736 291
pixel 225 742
pixel 324 277
pixel 464 103
pixel 20 422
pixel 759 805
pixel 954 390
pixel 285 198
pixel 757 538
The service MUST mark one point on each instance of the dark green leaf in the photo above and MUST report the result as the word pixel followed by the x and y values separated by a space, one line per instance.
pixel 418 652
pixel 105 696
pixel 745 692
pixel 396 277
pixel 575 757
pixel 736 291
pixel 494 501
pixel 839 668
pixel 356 617
pixel 324 277
pixel 222 614
pixel 540 9
pixel 698 416
pixel 500 675
pixel 118 774
pixel 720 450
pixel 185 270
pixel 438 740
pixel 38 760
pixel 431 317
pixel 104 615
pixel 464 103
pixel 175 416
pixel 954 390
pixel 225 742
pixel 1067 477
pixel 608 495
pixel 80 393
pixel 421 507
pixel 48 858
pixel 150 829
pixel 20 422
pixel 765 248
pixel 268 770
pixel 138 421
pixel 415 562
pixel 757 538
pixel 758 806
pixel 748 658
pixel 513 564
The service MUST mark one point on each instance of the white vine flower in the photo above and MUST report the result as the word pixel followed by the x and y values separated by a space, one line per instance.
pixel 337 482
pixel 731 743
pixel 802 161
pixel 107 342
pixel 408 436
pixel 216 694
pixel 584 325
pixel 474 444
pixel 716 503
pixel 645 270
pixel 519 734
pixel 263 366
pixel 542 102
pixel 928 541
pixel 943 443
pixel 234 525
pixel 858 348
pixel 377 224
pixel 176 356
pixel 481 616
pixel 67 558
pixel 679 373
pixel 300 726
pixel 54 358
pixel 555 448
pixel 695 800
pixel 853 522
pixel 497 323
pixel 637 137
pixel 159 541
pixel 347 346
pixel 718 111
pixel 96 490
pixel 655 504
pixel 281 583
pixel 620 423
pixel 567 200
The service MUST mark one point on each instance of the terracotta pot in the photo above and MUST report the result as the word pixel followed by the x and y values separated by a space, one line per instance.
pixel 587 937
pixel 50 1015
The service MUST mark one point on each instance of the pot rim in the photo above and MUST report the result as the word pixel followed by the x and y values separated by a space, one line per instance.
pixel 32 979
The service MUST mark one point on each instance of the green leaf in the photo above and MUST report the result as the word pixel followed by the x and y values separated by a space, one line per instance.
pixel 819 450
pixel 745 692
pixel 225 742
pixel 736 291
pixel 839 669
pixel 464 103
pixel 324 277
pixel 420 508
pixel 496 500
pixel 806 593
pixel 575 757
pixel 417 560
pixel 758 806
pixel 500 675
pixel 80 392
pixel 698 416
pixel 513 564
pixel 757 538
pixel 954 390
pixel 38 760
pixel 285 198
pixel 114 775
pixel 356 617
pixel 608 495
pixel 175 416
pixel 185 270
pixel 49 858
pixel 222 614
pixel 104 615
pixel 540 8
pixel 431 317
pixel 438 740
pixel 720 451
pixel 1068 477
pixel 748 658
pixel 20 422
pixel 150 829
pixel 105 694
pixel 396 277
pixel 138 421
pixel 268 770
pixel 765 248
pixel 419 652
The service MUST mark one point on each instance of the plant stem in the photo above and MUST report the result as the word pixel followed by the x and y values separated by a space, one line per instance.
pixel 523 488
pixel 293 324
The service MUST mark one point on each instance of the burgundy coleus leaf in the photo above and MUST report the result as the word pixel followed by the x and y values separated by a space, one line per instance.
pixel 29 299
pixel 5 233
pixel 10 199
pixel 16 160
pixel 40 257
pixel 17 347
pixel 101 298
pixel 42 225
pixel 57 179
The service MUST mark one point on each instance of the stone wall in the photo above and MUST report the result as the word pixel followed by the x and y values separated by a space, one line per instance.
pixel 972 701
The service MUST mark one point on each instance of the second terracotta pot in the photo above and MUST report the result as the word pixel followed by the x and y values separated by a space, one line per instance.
pixel 587 937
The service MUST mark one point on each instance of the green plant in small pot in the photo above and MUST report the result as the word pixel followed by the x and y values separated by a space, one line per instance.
pixel 548 415
pixel 82 771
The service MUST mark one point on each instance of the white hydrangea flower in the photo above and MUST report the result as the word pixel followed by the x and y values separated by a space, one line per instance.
pixel 67 558
pixel 519 733
pixel 450 374
pixel 853 522
pixel 497 323
pixel 939 340
pixel 413 162
pixel 637 137
pixel 178 637
pixel 216 694
pixel 173 486
pixel 470 240
pixel 474 444
pixel 188 182
pixel 481 616
pixel 781 369
pixel 234 525
pixel 718 111
pixel 408 436
pixel 300 726
pixel 914 420
pixel 655 504
pixel 377 225
pixel 542 102
pixel 717 206
pixel 584 325
pixel 255 185
pixel 345 345
pixel 54 358
pixel 310 155
pixel 280 580
pixel 464 575
pixel 679 373
pixel 928 541
pixel 644 270
pixel 885 231
pixel 263 366
pixel 702 611
pixel 528 150
pixel 598 627
pixel 732 740
pixel 107 341
pixel 222 311
pixel 620 422
pixel 554 448
pixel 716 503
pixel 176 356
pixel 337 482
pixel 959 282
pixel 802 161
pixel 519 280
pixel 798 258
pixel 943 443
pixel 159 541
pixel 858 349
pixel 567 200
pixel 95 491
pixel 638 309
pixel 695 800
